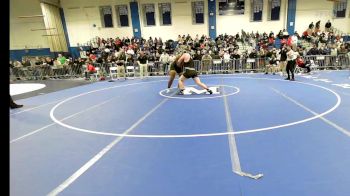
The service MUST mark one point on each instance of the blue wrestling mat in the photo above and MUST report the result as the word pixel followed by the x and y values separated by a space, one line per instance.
pixel 255 135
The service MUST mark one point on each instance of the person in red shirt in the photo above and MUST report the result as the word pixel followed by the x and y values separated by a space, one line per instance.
pixel 90 69
pixel 289 41
pixel 92 57
pixel 302 64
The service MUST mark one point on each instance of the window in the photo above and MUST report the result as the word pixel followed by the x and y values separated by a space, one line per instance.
pixel 274 9
pixel 339 9
pixel 106 16
pixel 198 12
pixel 122 15
pixel 149 14
pixel 231 7
pixel 256 10
pixel 165 13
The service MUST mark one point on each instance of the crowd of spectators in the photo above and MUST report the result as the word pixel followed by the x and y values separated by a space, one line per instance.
pixel 241 45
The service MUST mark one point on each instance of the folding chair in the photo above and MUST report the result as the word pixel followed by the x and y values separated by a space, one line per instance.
pixel 130 70
pixel 151 69
pixel 96 75
pixel 250 65
pixel 216 66
pixel 113 72
pixel 313 65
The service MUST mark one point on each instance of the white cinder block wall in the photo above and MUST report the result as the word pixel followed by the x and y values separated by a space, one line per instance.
pixel 234 24
pixel 308 11
pixel 181 20
pixel 81 15
pixel 21 35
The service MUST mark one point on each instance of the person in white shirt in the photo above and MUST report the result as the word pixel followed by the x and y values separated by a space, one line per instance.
pixel 291 56
pixel 171 58
pixel 226 57
pixel 164 60
pixel 130 51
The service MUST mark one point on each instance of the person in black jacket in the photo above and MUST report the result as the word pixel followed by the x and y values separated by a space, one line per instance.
pixel 328 26
pixel 283 59
pixel 313 51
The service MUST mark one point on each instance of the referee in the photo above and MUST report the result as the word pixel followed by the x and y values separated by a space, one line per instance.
pixel 290 63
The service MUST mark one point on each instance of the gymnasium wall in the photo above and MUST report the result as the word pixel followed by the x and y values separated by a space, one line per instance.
pixel 21 35
pixel 82 15
pixel 234 24
pixel 314 10
pixel 181 21
pixel 84 21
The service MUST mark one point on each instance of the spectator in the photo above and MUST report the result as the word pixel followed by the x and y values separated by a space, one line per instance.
pixel 342 50
pixel 301 63
pixel 334 51
pixel 92 57
pixel 285 34
pixel 142 61
pixel 121 64
pixel 283 59
pixel 164 59
pixel 61 59
pixel 198 56
pixel 38 61
pixel 26 62
pixel 328 26
pixel 313 51
pixel 253 54
pixel 317 28
pixel 90 69
pixel 311 25
pixel 294 39
pixel 206 62
pixel 235 55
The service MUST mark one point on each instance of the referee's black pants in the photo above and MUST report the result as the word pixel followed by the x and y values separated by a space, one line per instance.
pixel 290 68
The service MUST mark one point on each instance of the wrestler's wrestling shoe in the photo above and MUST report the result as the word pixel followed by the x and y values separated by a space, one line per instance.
pixel 210 91
pixel 181 92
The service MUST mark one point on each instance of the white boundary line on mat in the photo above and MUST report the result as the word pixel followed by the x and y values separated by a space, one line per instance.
pixel 223 132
